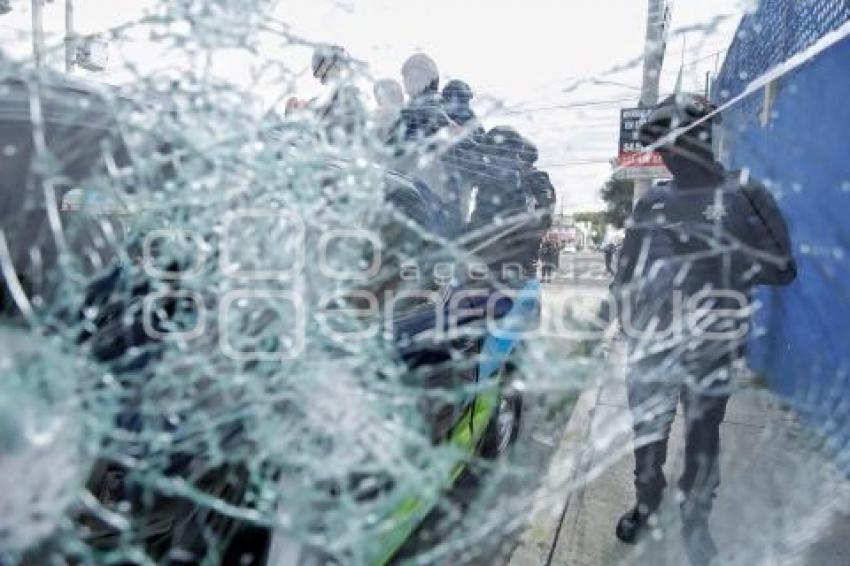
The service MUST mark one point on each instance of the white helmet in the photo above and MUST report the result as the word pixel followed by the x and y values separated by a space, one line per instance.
pixel 419 73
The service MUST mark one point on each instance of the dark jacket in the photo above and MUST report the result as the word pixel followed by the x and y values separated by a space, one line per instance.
pixel 550 253
pixel 457 97
pixel 708 227
pixel 343 112
pixel 726 237
pixel 543 191
pixel 422 118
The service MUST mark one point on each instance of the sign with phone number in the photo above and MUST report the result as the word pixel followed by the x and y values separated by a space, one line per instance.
pixel 631 156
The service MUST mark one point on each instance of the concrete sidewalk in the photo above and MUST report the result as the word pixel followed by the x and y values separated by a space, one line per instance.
pixel 780 502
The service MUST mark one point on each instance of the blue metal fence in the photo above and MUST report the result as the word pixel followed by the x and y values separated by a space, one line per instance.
pixel 800 147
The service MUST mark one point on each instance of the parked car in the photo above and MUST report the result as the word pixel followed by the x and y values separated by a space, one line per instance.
pixel 465 344
pixel 444 352
pixel 481 425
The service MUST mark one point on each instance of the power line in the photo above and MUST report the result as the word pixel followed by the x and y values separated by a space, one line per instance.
pixel 584 104
pixel 693 62
pixel 576 163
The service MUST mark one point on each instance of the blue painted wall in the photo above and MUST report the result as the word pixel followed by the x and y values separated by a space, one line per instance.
pixel 802 152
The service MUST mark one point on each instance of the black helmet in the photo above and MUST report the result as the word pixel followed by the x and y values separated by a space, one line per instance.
pixel 503 140
pixel 510 143
pixel 528 152
pixel 456 98
pixel 681 111
pixel 325 58
pixel 505 137
pixel 457 92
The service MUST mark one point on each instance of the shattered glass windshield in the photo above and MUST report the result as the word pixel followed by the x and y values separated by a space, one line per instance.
pixel 336 282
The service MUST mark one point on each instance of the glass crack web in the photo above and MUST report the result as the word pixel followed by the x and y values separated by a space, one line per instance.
pixel 225 334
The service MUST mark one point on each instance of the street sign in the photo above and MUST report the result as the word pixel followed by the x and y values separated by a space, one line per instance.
pixel 632 161
pixel 93 53
pixel 637 173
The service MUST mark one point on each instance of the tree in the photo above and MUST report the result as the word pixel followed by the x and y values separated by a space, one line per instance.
pixel 597 221
pixel 618 195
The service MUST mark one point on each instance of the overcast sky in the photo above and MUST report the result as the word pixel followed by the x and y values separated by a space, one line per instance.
pixel 529 55
pixel 543 66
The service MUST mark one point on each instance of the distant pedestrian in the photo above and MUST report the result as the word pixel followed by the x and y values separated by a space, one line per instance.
pixel 424 114
pixel 609 250
pixel 464 151
pixel 550 256
pixel 340 109
pixel 413 140
pixel 709 238
pixel 457 98
pixel 390 99
pixel 504 205
pixel 502 194
pixel 538 184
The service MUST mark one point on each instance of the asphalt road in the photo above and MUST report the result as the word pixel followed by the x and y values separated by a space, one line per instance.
pixel 581 268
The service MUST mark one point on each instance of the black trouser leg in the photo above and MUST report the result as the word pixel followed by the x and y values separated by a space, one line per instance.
pixel 699 482
pixel 649 474
pixel 652 400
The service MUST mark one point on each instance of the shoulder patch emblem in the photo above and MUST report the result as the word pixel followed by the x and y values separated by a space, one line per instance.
pixel 715 212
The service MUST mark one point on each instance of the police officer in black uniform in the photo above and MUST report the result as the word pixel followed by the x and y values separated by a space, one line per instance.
pixel 695 249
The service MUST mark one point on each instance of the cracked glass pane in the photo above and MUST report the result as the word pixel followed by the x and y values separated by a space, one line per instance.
pixel 337 282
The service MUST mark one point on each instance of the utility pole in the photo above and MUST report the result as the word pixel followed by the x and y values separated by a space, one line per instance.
pixel 656 23
pixel 38 49
pixel 70 38
pixel 37 32
pixel 653 59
